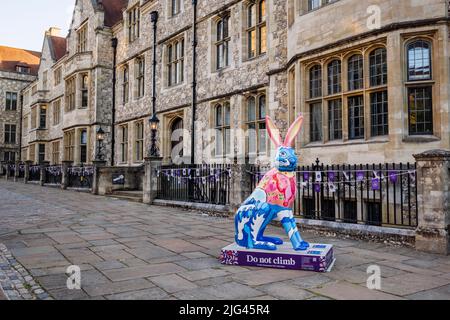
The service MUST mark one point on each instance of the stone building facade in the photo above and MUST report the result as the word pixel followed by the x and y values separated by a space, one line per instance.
pixel 373 84
pixel 373 87
pixel 72 97
pixel 18 67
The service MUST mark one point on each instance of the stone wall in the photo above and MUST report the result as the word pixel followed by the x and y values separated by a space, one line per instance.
pixel 11 82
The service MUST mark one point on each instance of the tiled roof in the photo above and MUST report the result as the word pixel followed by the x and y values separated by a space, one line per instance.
pixel 113 10
pixel 58 47
pixel 10 58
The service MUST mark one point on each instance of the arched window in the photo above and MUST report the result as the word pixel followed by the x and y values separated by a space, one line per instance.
pixel 222 42
pixel 175 65
pixel 256 124
pixel 355 72
pixel 419 60
pixel 334 77
pixel 256 29
pixel 378 67
pixel 315 81
pixel 223 129
pixel 140 77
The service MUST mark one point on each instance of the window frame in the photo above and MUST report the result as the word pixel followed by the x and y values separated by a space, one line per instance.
pixel 175 62
pixel 139 141
pixel 378 129
pixel 82 38
pixel 315 135
pixel 41 154
pixel 10 133
pixel 431 113
pixel 125 85
pixel 222 41
pixel 175 7
pixel 84 89
pixel 56 152
pixel 223 127
pixel 57 75
pixel 140 77
pixel 257 123
pixel 12 104
pixel 83 146
pixel 430 58
pixel 332 87
pixel 355 72
pixel 315 81
pixel 255 25
pixel 69 145
pixel 43 117
pixel 373 65
pixel 134 23
pixel 333 132
pixel 351 114
pixel 71 94
pixel 124 135
pixel 56 105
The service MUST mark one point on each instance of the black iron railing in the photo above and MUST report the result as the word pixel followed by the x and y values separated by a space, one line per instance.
pixel 80 177
pixel 375 194
pixel 53 175
pixel 34 173
pixel 208 184
pixel 11 170
pixel 21 168
pixel 4 169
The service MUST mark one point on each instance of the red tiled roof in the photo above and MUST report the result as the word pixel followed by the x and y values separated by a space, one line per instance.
pixel 10 58
pixel 113 11
pixel 58 46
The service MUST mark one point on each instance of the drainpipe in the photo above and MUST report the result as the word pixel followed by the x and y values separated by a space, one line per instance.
pixel 20 128
pixel 154 20
pixel 194 79
pixel 113 127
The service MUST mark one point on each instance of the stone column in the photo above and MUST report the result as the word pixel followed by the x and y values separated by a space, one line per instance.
pixel 150 184
pixel 43 165
pixel 65 178
pixel 96 179
pixel 241 184
pixel 26 177
pixel 433 174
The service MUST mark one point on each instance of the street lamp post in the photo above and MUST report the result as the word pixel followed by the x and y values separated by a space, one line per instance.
pixel 154 122
pixel 100 140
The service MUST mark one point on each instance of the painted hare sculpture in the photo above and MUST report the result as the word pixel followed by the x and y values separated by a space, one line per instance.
pixel 273 198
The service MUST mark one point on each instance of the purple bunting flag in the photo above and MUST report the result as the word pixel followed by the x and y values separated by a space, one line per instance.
pixel 376 185
pixel 359 176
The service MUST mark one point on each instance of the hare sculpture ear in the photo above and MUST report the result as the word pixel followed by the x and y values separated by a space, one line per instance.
pixel 273 131
pixel 293 131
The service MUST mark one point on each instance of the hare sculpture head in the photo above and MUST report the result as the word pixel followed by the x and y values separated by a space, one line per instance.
pixel 285 158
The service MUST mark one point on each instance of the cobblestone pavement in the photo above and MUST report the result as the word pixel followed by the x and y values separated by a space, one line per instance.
pixel 132 251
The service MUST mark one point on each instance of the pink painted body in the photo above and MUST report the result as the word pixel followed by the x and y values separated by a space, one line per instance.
pixel 280 188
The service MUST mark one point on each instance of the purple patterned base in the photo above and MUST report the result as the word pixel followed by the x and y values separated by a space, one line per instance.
pixel 318 258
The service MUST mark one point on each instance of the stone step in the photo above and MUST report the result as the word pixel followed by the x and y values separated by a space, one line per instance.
pixel 128 195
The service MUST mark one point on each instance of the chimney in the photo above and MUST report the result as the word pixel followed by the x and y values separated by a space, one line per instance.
pixel 53 31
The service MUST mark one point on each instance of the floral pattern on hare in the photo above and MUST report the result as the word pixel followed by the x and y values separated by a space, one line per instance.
pixel 273 198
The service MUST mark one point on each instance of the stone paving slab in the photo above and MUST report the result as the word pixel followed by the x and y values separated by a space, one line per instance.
pixel 133 251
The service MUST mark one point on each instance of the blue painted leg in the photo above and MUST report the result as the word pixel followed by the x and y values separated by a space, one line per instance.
pixel 291 229
pixel 274 240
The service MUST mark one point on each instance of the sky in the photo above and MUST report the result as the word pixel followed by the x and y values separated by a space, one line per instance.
pixel 24 22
